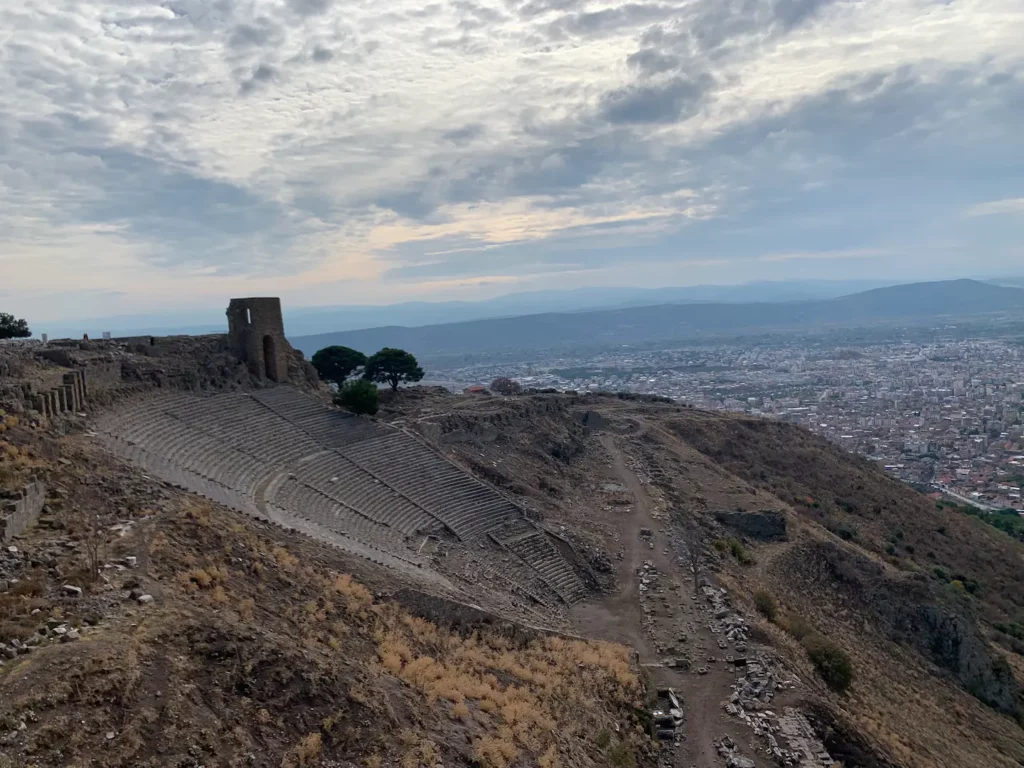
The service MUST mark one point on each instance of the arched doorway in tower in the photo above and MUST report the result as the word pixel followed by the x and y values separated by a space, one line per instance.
pixel 270 357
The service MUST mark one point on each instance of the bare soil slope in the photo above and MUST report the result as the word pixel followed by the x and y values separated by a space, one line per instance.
pixel 142 626
pixel 916 595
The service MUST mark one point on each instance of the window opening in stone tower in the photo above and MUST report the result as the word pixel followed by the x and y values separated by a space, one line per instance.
pixel 269 358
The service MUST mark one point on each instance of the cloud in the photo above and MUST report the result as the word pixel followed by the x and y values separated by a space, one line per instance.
pixel 262 74
pixel 310 7
pixel 311 142
pixel 663 103
pixel 1014 205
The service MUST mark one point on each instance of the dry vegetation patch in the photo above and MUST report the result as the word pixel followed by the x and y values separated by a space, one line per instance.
pixel 261 648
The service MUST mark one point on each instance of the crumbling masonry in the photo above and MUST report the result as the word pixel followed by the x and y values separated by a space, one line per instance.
pixel 22 511
pixel 256 330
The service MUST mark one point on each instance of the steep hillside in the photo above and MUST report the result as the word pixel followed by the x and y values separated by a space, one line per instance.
pixel 143 626
pixel 803 606
pixel 922 599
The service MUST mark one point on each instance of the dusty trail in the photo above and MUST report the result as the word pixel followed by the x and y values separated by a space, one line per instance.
pixel 621 617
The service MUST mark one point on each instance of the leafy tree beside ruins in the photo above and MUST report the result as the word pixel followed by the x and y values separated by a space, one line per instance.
pixel 392 366
pixel 358 396
pixel 336 364
pixel 503 385
pixel 10 328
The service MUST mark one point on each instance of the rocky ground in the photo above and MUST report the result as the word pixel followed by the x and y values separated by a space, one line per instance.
pixel 647 482
pixel 142 626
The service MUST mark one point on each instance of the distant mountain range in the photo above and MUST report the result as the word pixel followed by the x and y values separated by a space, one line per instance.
pixel 911 304
pixel 303 321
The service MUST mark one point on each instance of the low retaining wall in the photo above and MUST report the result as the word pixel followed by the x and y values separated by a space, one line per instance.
pixel 21 512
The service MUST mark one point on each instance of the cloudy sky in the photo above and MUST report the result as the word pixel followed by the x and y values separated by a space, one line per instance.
pixel 173 154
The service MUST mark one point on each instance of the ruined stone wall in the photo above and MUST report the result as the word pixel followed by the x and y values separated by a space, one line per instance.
pixel 22 511
pixel 102 376
pixel 42 381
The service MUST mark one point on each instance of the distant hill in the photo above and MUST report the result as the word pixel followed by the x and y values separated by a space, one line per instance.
pixel 303 321
pixel 915 303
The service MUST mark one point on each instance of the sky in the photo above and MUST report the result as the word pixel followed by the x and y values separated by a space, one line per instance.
pixel 167 155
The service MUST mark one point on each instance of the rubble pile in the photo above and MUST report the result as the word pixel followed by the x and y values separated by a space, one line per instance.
pixel 729 751
pixel 754 689
pixel 789 739
pixel 726 624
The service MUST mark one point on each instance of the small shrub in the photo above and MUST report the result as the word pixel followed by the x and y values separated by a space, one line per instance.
pixel 721 545
pixel 604 738
pixel 550 758
pixel 245 608
pixel 495 752
pixel 306 752
pixel 739 552
pixel 940 573
pixel 622 756
pixel 890 549
pixel 799 627
pixel 832 663
pixel 766 604
pixel 843 531
pixel 359 396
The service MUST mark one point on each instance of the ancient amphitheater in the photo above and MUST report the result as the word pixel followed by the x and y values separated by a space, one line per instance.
pixel 368 488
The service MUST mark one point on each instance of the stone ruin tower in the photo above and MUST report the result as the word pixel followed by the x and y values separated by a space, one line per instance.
pixel 256 331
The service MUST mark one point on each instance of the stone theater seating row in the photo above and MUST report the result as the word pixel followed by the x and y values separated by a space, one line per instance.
pixel 281 455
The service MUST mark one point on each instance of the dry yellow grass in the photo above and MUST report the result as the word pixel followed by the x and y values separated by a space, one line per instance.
pixel 500 695
pixel 306 752
pixel 551 683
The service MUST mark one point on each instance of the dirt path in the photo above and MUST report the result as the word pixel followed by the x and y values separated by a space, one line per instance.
pixel 664 621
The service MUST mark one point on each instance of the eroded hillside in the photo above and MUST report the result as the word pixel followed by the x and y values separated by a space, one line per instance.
pixel 141 625
pixel 807 609
pixel 921 599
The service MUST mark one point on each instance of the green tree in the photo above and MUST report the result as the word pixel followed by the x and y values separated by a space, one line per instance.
pixel 766 604
pixel 10 328
pixel 358 396
pixel 503 385
pixel 832 663
pixel 392 366
pixel 336 364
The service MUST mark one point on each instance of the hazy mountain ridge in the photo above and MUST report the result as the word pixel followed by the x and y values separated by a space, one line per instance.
pixel 302 321
pixel 913 303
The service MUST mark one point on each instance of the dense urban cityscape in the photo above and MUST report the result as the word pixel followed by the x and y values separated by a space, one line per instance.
pixel 946 415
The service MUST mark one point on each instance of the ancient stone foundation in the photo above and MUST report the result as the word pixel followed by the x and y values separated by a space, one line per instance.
pixel 22 511
pixel 69 397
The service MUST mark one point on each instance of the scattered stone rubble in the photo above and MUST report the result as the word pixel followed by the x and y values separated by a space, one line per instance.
pixel 668 715
pixel 13 564
pixel 729 751
pixel 789 739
